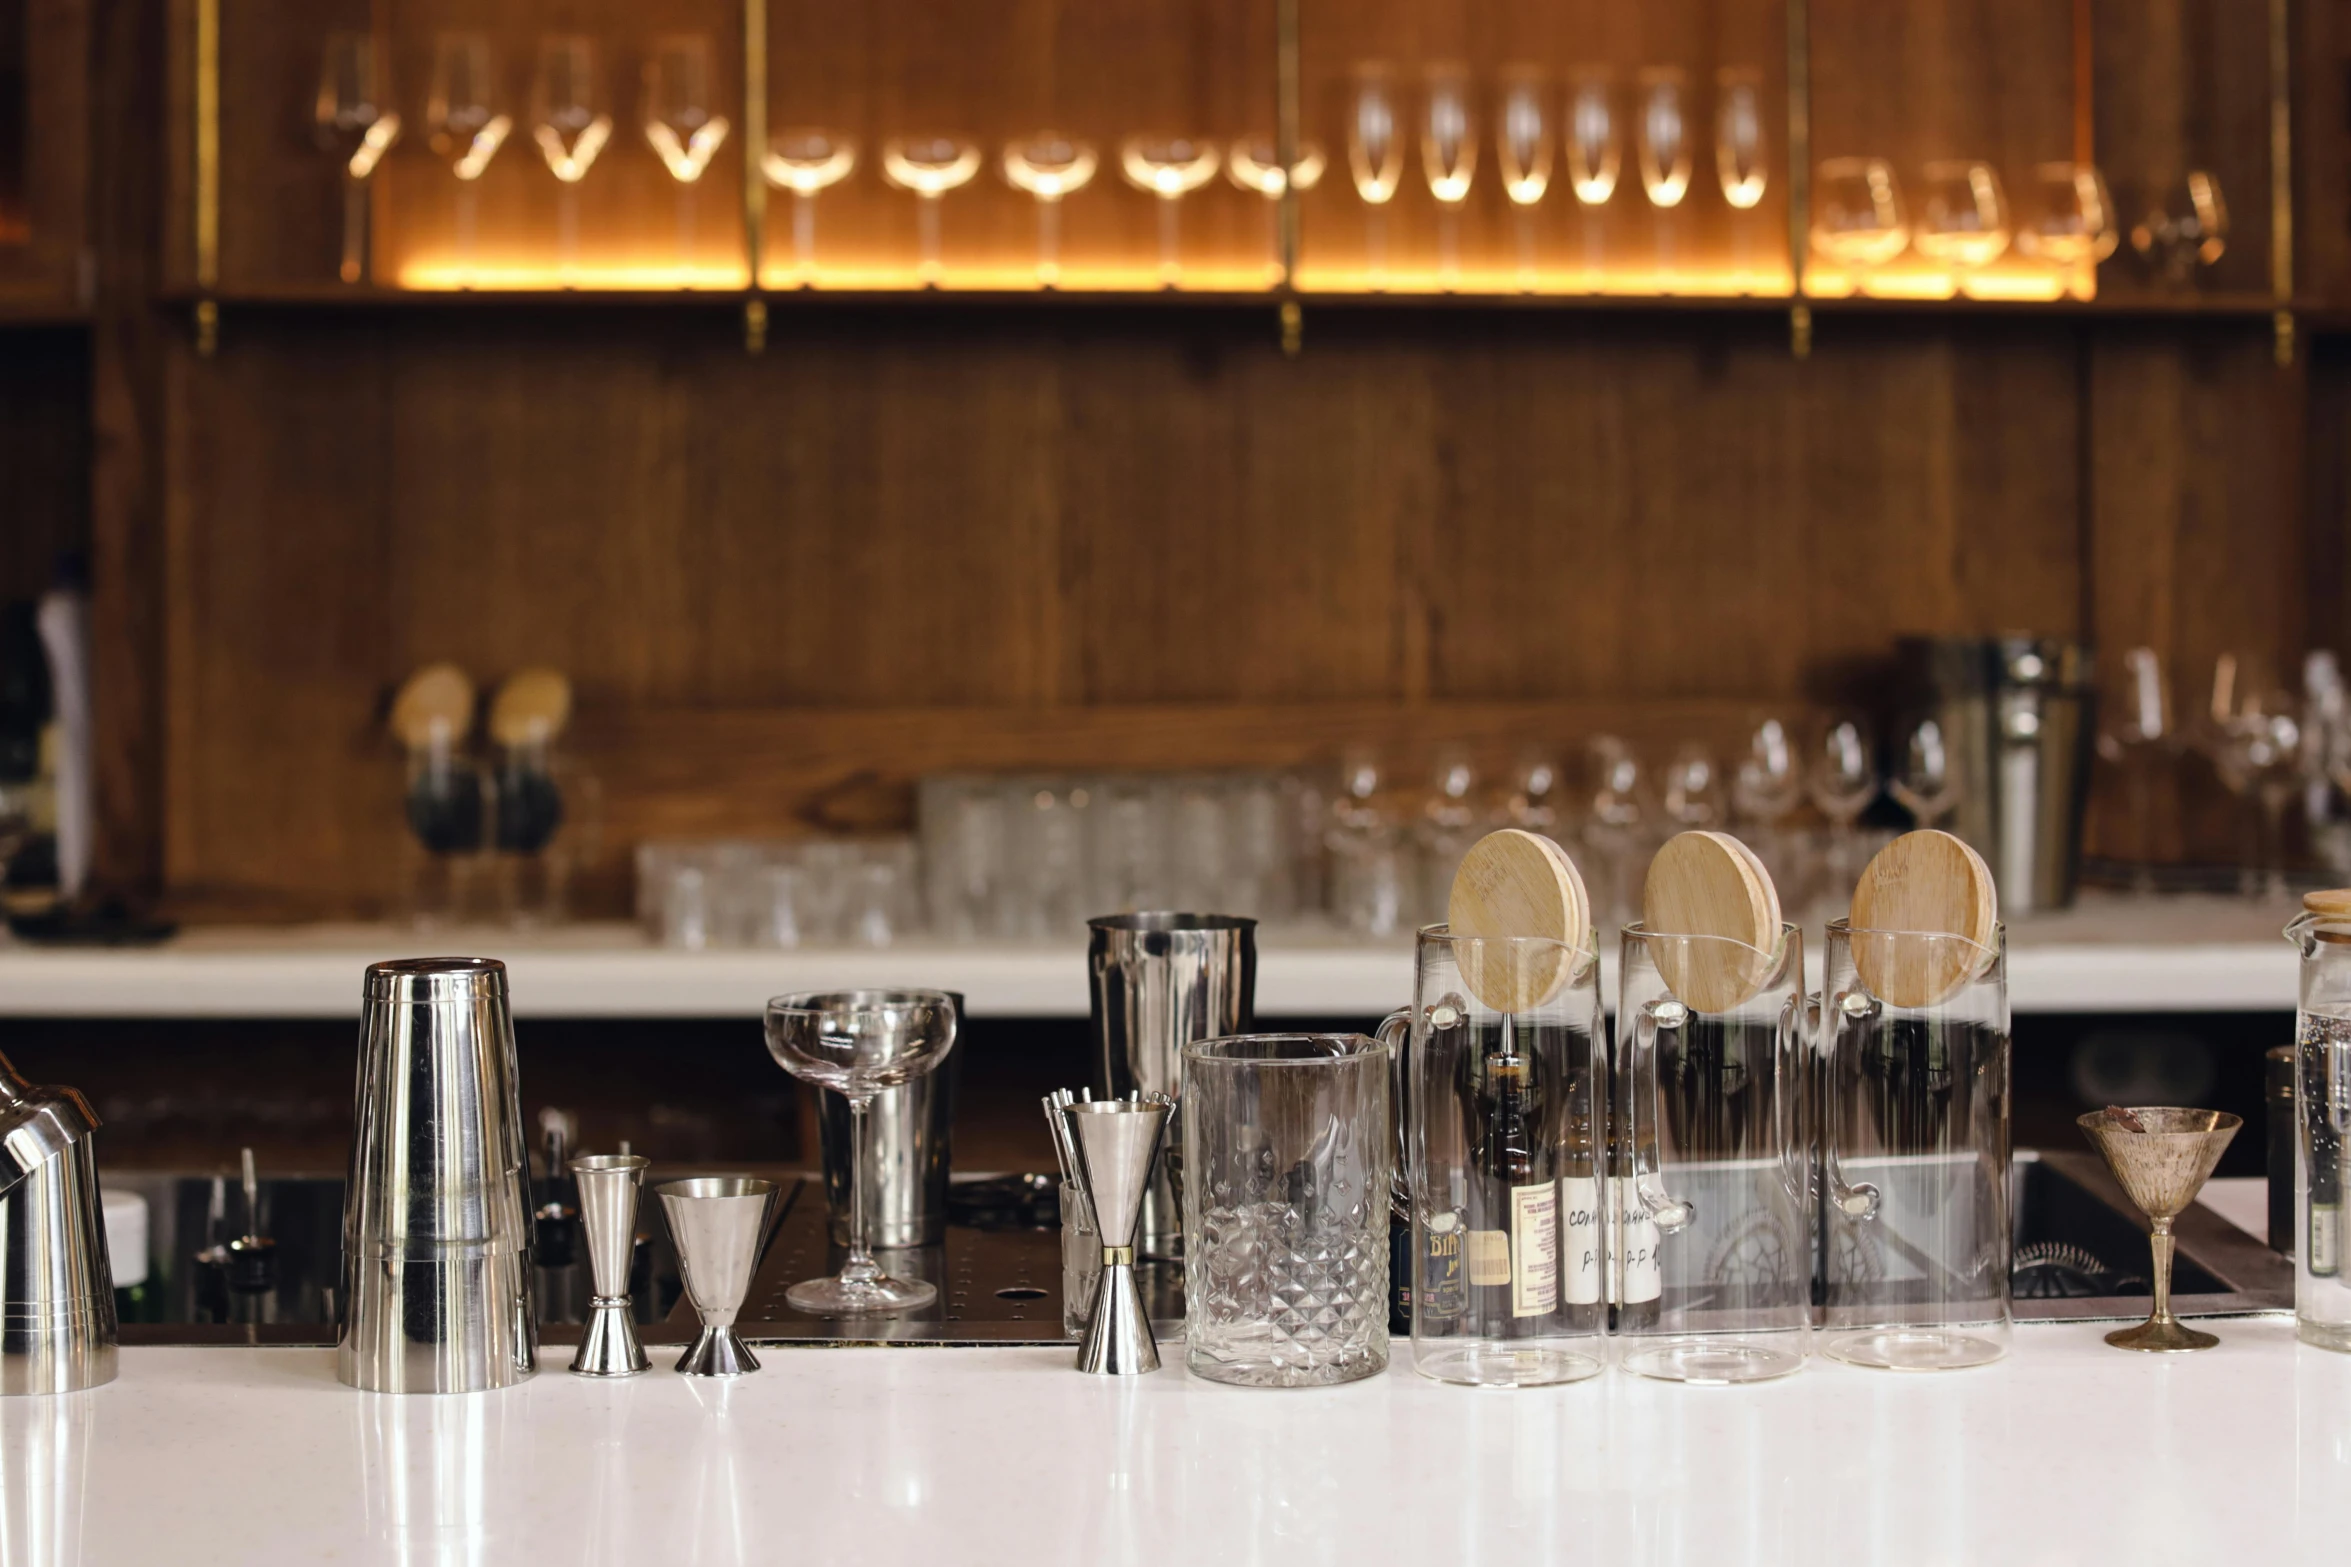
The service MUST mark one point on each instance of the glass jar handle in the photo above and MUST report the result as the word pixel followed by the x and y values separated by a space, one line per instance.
pixel 1791 1093
pixel 1668 1212
pixel 1393 1033
pixel 1859 1201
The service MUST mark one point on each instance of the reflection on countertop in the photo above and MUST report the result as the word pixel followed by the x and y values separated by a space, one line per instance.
pixel 2068 1452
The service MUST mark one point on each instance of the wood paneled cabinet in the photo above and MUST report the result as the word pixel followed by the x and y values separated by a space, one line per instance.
pixel 44 157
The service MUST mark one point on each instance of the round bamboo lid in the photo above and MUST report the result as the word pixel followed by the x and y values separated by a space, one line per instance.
pixel 1711 884
pixel 1931 882
pixel 1516 883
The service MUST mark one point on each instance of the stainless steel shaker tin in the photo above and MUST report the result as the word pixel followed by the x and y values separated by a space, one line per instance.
pixel 436 1215
pixel 57 1324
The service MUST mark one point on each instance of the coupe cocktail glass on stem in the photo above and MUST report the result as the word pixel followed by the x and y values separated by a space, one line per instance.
pixel 465 124
pixel 929 166
pixel 2161 1156
pixel 857 1043
pixel 1254 163
pixel 1049 166
pixel 355 122
pixel 1171 168
pixel 807 161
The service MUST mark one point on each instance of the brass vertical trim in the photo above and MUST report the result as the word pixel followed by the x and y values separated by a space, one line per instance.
pixel 207 193
pixel 2281 178
pixel 1799 173
pixel 754 173
pixel 1286 130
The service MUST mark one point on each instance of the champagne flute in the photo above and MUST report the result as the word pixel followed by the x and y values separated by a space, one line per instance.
pixel 807 160
pixel 1739 160
pixel 1858 220
pixel 356 124
pixel 1595 153
pixel 1962 217
pixel 1663 137
pixel 569 124
pixel 1375 156
pixel 1522 146
pixel 1449 158
pixel 463 123
pixel 1049 166
pixel 930 167
pixel 2068 221
pixel 1254 163
pixel 681 121
pixel 857 1043
pixel 2184 230
pixel 1170 168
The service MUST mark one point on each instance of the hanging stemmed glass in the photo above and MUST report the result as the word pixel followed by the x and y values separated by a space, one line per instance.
pixel 1375 157
pixel 569 124
pixel 1449 159
pixel 2067 220
pixel 1522 145
pixel 357 124
pixel 464 125
pixel 682 122
pixel 1170 168
pixel 2185 228
pixel 929 167
pixel 807 160
pixel 1962 218
pixel 1765 787
pixel 1739 161
pixel 1254 163
pixel 1843 782
pixel 1049 166
pixel 1858 220
pixel 1926 775
pixel 858 1043
pixel 1594 156
pixel 1663 135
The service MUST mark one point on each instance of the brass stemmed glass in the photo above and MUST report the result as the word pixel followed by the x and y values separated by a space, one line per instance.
pixel 2162 1156
pixel 357 123
pixel 857 1043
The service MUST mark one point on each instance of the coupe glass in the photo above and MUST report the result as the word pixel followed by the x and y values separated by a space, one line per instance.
pixel 2186 227
pixel 857 1043
pixel 1739 160
pixel 1595 153
pixel 1449 158
pixel 355 122
pixel 1254 163
pixel 1926 778
pixel 463 122
pixel 1962 217
pixel 1858 220
pixel 1049 166
pixel 1375 156
pixel 2067 219
pixel 1171 168
pixel 1843 782
pixel 929 166
pixel 570 125
pixel 681 120
pixel 1522 145
pixel 807 160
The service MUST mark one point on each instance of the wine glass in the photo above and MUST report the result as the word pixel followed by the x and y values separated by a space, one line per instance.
pixel 2067 220
pixel 1375 156
pixel 1962 217
pixel 1926 778
pixel 1765 787
pixel 1858 220
pixel 1171 168
pixel 1614 829
pixel 2185 228
pixel 1843 782
pixel 1254 163
pixel 1449 159
pixel 1522 147
pixel 929 166
pixel 569 123
pixel 807 160
pixel 857 1043
pixel 463 124
pixel 1693 788
pixel 681 120
pixel 357 124
pixel 1662 143
pixel 1739 159
pixel 2141 742
pixel 1595 153
pixel 1049 166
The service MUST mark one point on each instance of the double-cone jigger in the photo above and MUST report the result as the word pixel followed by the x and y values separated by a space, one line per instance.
pixel 1115 1141
pixel 608 1186
pixel 718 1222
pixel 2162 1157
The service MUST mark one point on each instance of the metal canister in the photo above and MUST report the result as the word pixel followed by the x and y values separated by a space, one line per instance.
pixel 909 1147
pixel 437 1237
pixel 57 1321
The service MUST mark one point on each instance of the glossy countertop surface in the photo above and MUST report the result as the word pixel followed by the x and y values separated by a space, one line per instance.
pixel 2068 1452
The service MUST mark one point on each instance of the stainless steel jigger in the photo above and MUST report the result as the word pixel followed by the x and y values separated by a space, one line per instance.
pixel 1116 1140
pixel 717 1222
pixel 608 1215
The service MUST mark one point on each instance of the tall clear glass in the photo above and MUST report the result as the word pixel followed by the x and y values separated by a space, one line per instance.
pixel 2322 1112
pixel 1711 1189
pixel 1287 1142
pixel 1502 1118
pixel 1915 1149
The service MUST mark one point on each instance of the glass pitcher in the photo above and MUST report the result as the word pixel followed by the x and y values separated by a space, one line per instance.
pixel 2322 1111
pixel 1502 1115
pixel 1712 1190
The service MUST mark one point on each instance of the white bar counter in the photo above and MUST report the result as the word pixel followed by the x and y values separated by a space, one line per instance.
pixel 2110 954
pixel 2069 1452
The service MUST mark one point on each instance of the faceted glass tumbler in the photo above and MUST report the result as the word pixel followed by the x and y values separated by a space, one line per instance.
pixel 1287 1142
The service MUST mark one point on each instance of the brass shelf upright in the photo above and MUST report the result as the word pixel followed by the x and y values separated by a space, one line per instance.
pixel 754 170
pixel 1799 23
pixel 2281 181
pixel 207 191
pixel 1286 128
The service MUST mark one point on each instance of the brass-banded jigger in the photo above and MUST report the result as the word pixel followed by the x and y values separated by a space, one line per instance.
pixel 608 1186
pixel 1116 1141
